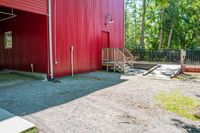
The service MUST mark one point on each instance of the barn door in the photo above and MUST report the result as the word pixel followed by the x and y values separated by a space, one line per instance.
pixel 105 44
pixel 105 39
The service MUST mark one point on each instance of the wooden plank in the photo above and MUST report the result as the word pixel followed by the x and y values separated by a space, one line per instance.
pixel 151 70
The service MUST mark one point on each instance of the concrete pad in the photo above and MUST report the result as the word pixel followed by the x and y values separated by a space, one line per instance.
pixel 136 72
pixel 10 123
pixel 11 78
pixel 40 76
pixel 164 71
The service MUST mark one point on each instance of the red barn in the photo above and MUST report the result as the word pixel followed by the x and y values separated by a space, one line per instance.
pixel 57 37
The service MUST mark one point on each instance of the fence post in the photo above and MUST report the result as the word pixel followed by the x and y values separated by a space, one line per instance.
pixel 107 67
pixel 182 58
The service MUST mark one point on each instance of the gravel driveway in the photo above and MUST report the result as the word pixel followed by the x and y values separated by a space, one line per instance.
pixel 98 102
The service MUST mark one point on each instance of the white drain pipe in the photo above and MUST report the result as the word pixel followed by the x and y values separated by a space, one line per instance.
pixel 50 40
pixel 72 60
pixel 55 34
pixel 32 68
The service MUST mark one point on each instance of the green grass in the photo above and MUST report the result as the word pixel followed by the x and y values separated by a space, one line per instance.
pixel 189 76
pixel 178 103
pixel 33 130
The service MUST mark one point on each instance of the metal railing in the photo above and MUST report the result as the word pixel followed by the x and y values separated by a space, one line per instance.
pixel 166 56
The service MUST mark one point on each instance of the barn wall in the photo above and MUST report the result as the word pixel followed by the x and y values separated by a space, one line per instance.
pixel 29 42
pixel 35 6
pixel 81 23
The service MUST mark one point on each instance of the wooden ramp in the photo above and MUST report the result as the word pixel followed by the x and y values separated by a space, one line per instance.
pixel 164 71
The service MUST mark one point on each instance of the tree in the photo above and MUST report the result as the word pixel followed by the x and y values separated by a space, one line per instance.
pixel 143 24
pixel 153 23
pixel 161 29
pixel 162 5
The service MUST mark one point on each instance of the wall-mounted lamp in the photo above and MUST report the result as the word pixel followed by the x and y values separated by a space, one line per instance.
pixel 108 19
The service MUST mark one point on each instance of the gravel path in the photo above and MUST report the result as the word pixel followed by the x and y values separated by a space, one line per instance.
pixel 99 103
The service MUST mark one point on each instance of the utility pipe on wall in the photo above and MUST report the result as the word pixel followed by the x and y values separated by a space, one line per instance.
pixel 72 60
pixel 55 33
pixel 50 40
pixel 32 68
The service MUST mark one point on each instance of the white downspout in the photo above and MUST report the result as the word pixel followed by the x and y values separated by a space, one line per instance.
pixel 50 40
pixel 55 34
pixel 72 60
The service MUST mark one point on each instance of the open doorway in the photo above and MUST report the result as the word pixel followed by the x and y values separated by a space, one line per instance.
pixel 23 41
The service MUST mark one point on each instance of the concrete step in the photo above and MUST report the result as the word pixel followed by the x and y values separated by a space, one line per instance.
pixel 40 76
pixel 10 123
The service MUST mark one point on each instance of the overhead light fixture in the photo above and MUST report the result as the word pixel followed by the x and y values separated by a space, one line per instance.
pixel 108 19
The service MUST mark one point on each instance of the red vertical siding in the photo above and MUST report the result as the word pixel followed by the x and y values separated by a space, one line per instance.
pixel 29 42
pixel 105 42
pixel 35 6
pixel 80 23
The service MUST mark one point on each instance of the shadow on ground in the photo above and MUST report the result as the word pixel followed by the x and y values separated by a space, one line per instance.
pixel 31 95
pixel 197 95
pixel 187 127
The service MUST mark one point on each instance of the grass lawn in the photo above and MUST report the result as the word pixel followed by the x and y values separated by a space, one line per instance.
pixel 178 103
pixel 189 76
pixel 34 130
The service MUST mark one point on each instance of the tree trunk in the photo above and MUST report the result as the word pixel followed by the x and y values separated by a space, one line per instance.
pixel 161 30
pixel 182 40
pixel 170 34
pixel 197 31
pixel 135 16
pixel 143 24
pixel 197 38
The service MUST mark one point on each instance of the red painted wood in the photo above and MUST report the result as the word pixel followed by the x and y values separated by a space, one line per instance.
pixel 105 39
pixel 190 68
pixel 29 42
pixel 80 23
pixel 34 6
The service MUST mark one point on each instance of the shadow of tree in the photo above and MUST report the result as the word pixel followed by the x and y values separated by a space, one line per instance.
pixel 188 127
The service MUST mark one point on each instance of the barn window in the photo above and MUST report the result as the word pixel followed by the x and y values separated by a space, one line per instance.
pixel 8 40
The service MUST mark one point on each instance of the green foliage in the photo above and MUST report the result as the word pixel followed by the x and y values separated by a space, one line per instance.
pixel 178 103
pixel 33 130
pixel 183 15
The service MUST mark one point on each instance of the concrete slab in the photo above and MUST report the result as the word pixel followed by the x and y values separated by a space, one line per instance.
pixel 10 123
pixel 10 78
pixel 40 76
pixel 136 72
pixel 164 71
